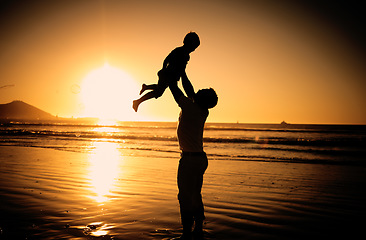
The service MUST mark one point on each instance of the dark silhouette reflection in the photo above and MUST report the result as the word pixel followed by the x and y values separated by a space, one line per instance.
pixel 174 67
pixel 193 162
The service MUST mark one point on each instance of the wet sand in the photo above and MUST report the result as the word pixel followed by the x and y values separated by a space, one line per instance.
pixel 53 194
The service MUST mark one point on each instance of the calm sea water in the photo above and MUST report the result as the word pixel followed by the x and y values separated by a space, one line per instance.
pixel 119 182
pixel 317 144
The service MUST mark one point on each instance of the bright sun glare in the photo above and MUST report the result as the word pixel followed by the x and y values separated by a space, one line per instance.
pixel 107 94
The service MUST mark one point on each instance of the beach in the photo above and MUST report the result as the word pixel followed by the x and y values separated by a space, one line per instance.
pixel 112 193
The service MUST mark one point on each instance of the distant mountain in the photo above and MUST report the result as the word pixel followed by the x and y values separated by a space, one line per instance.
pixel 24 111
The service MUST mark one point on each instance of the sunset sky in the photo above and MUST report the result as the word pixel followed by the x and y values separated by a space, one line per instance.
pixel 268 60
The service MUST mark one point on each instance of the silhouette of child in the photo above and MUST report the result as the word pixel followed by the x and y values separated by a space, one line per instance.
pixel 174 67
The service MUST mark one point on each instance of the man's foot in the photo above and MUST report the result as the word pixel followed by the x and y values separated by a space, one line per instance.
pixel 198 230
pixel 198 234
pixel 135 105
pixel 143 88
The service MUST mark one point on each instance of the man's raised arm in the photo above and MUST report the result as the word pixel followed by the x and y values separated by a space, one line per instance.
pixel 177 93
pixel 187 86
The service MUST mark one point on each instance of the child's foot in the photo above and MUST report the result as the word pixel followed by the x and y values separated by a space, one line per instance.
pixel 143 88
pixel 135 105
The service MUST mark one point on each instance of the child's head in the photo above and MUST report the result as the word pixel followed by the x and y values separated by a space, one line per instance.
pixel 206 98
pixel 191 41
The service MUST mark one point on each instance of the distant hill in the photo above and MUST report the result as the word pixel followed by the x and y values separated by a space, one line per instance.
pixel 24 111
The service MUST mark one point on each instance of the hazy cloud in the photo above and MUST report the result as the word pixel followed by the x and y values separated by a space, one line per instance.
pixel 7 86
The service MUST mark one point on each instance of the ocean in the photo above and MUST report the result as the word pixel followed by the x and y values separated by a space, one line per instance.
pixel 73 180
pixel 295 143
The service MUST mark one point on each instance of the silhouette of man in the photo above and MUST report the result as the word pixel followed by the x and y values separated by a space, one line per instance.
pixel 193 162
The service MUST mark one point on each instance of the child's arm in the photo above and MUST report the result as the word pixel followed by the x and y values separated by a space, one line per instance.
pixel 187 86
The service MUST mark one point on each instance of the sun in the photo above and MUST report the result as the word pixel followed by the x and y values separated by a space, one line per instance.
pixel 107 93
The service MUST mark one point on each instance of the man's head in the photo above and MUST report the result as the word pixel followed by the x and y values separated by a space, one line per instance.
pixel 206 98
pixel 191 41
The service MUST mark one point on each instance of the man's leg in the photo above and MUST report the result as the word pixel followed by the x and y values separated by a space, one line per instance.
pixel 199 215
pixel 185 196
pixel 190 179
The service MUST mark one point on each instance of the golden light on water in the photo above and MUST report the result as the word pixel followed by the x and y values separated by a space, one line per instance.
pixel 104 170
pixel 96 229
pixel 107 122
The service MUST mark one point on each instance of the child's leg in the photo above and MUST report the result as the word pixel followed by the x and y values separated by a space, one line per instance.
pixel 148 87
pixel 137 102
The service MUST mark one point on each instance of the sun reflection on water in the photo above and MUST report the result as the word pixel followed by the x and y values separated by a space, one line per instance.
pixel 104 170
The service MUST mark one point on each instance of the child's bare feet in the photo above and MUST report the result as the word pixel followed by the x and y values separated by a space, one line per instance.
pixel 143 88
pixel 135 105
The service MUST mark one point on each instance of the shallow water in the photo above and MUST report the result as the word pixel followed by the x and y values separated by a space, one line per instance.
pixel 53 194
pixel 294 143
pixel 59 194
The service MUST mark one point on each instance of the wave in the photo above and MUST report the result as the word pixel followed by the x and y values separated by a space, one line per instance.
pixel 122 125
pixel 260 158
pixel 289 128
pixel 276 145
pixel 174 154
pixel 77 135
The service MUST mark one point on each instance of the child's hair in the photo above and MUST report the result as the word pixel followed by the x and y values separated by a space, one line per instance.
pixel 192 39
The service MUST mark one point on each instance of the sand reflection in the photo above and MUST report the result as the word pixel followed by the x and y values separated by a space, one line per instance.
pixel 103 170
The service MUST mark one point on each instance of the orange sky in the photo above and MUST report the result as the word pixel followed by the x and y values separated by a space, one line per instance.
pixel 268 62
